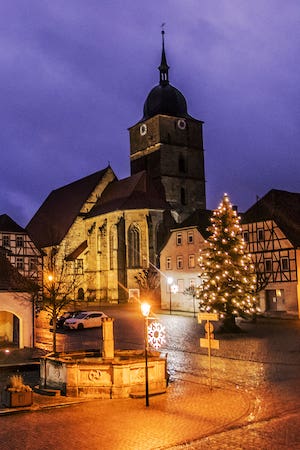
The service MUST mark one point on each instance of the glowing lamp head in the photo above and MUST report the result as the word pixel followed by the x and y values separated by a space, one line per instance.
pixel 145 308
pixel 169 280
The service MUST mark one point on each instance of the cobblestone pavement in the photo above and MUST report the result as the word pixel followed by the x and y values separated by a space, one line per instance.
pixel 188 411
pixel 254 403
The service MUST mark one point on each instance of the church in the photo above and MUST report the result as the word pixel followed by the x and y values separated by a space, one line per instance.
pixel 105 231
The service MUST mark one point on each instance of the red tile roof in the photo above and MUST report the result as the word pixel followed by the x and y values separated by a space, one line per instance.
pixel 283 208
pixel 134 192
pixel 56 215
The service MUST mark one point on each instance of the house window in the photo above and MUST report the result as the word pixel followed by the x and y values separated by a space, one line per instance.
pixel 168 262
pixel 19 241
pixel 191 261
pixel 246 236
pixel 284 264
pixel 268 265
pixel 134 247
pixel 190 237
pixel 6 241
pixel 78 266
pixel 179 262
pixel 260 234
pixel 180 284
pixel 33 263
pixel 19 263
pixel 179 239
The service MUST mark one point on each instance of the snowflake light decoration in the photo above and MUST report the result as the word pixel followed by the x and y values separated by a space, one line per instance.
pixel 156 335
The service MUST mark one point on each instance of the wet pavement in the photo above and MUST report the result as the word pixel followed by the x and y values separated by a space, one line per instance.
pixel 254 401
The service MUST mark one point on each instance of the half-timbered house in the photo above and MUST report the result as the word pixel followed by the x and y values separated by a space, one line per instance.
pixel 271 230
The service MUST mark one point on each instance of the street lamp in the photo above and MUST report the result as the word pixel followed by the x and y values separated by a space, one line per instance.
pixel 170 281
pixel 145 308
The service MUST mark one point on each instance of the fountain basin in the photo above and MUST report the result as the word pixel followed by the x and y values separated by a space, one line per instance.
pixel 90 375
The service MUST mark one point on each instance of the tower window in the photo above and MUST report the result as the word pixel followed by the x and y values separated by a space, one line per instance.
pixel 181 164
pixel 182 196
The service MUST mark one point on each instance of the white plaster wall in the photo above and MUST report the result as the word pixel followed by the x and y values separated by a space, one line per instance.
pixel 19 304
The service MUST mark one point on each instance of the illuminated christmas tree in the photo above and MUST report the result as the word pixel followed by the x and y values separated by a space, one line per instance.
pixel 228 276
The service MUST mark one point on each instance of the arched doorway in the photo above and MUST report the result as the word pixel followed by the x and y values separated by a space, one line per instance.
pixel 9 329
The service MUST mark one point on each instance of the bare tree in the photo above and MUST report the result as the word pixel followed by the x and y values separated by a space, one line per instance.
pixel 60 284
pixel 148 282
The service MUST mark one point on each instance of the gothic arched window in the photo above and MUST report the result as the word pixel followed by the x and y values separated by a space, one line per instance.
pixel 113 247
pixel 80 294
pixel 134 256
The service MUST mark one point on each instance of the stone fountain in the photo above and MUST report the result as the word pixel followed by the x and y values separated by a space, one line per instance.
pixel 109 374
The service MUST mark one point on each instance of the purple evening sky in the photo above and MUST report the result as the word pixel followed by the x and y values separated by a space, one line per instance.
pixel 75 75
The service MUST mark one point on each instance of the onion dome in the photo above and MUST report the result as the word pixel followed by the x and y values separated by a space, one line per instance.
pixel 165 98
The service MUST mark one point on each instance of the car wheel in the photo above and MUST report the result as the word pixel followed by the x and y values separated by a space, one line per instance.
pixel 80 326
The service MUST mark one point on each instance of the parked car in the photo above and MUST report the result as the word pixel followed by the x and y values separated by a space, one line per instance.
pixel 86 319
pixel 66 315
pixel 61 319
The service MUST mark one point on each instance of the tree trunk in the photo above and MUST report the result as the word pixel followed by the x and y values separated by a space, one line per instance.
pixel 229 325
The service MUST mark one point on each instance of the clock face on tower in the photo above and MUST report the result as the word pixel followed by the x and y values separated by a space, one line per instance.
pixel 181 123
pixel 143 129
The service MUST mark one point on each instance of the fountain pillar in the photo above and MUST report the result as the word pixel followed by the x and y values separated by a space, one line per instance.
pixel 108 347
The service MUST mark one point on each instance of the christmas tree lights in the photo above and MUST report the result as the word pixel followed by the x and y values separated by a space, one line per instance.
pixel 227 272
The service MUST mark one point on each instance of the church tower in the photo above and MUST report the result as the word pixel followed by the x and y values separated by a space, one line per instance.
pixel 167 143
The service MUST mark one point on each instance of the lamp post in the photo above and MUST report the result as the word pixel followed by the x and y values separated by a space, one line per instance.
pixel 170 281
pixel 145 308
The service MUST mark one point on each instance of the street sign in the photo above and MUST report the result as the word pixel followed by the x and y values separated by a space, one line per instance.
pixel 209 328
pixel 209 343
pixel 207 316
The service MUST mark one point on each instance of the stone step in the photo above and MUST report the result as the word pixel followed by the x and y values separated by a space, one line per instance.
pixel 45 391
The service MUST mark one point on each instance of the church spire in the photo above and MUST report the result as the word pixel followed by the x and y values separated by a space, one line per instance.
pixel 163 68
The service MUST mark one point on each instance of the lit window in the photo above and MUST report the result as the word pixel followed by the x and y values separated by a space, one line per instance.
pixel 168 262
pixel 179 262
pixel 19 241
pixel 180 284
pixel 191 261
pixel 284 264
pixel 190 237
pixel 179 239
